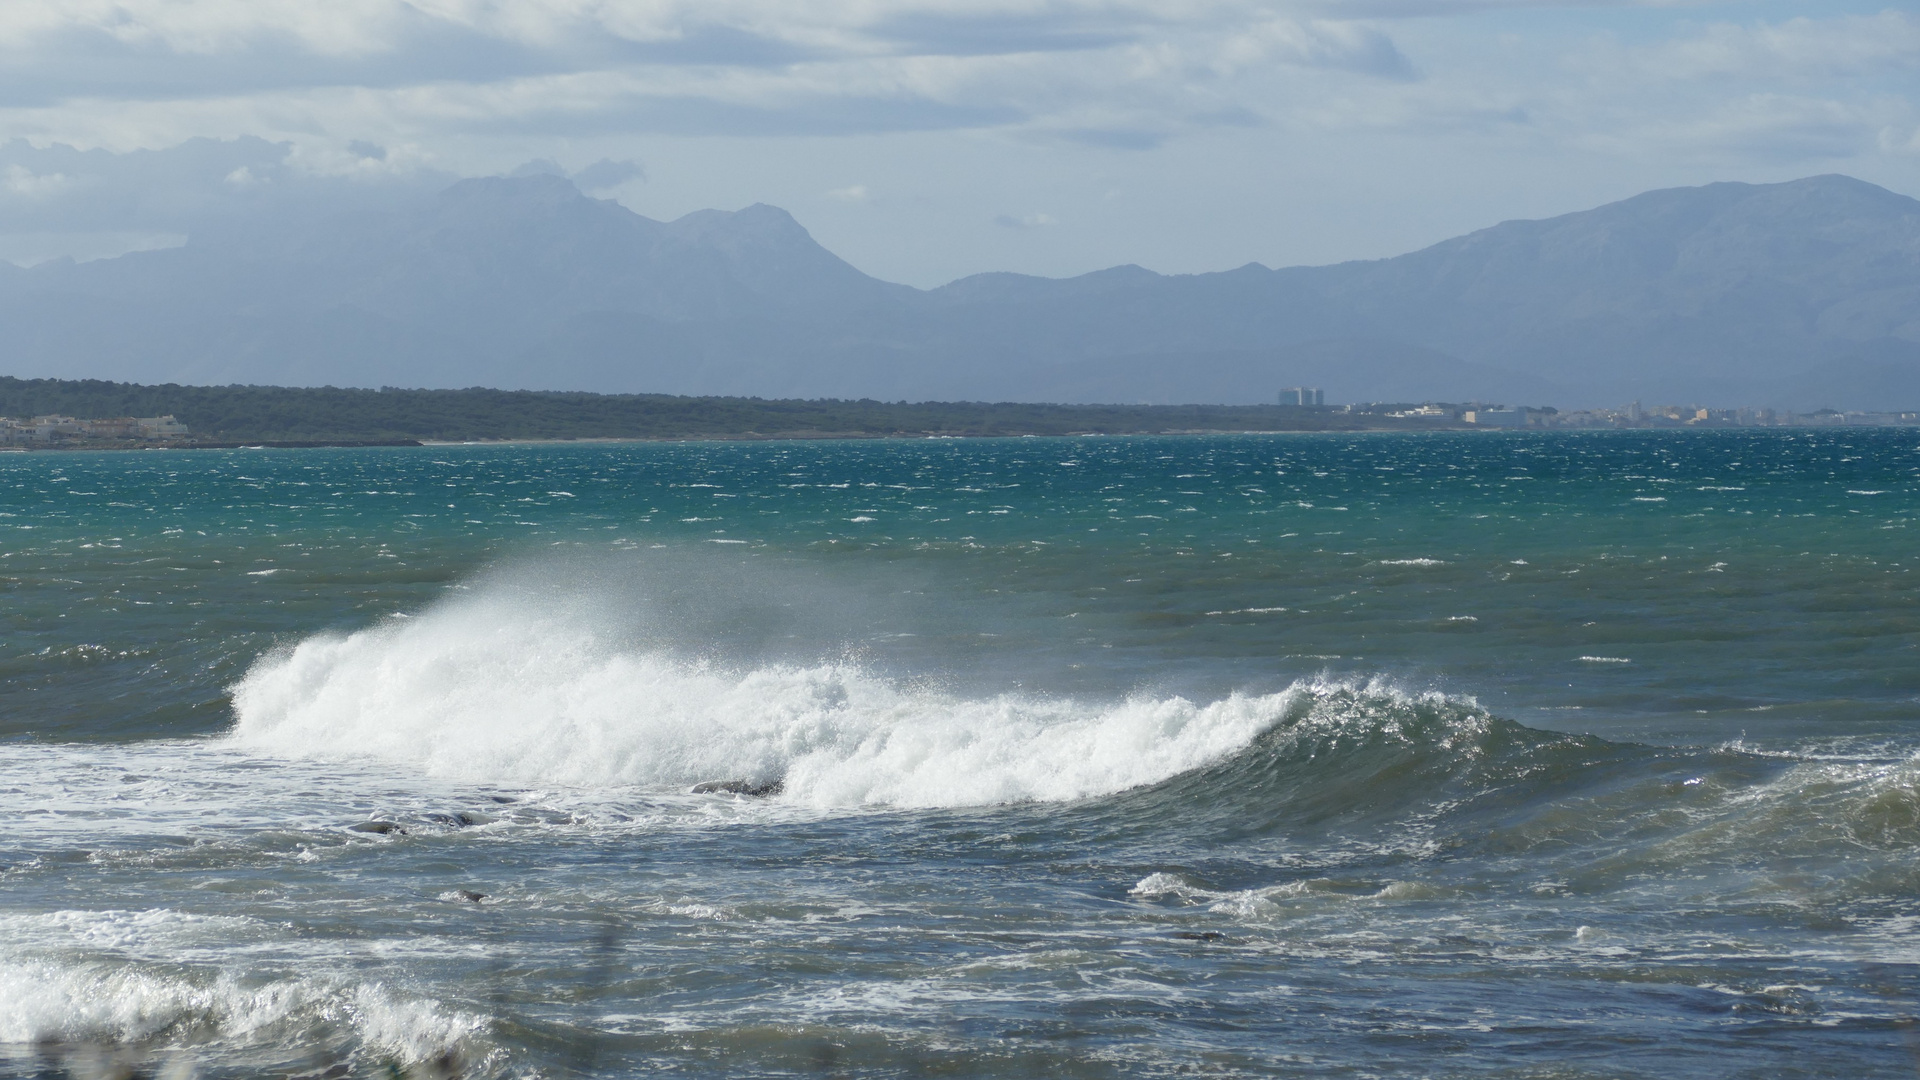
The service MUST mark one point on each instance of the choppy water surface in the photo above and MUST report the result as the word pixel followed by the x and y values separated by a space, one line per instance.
pixel 1555 755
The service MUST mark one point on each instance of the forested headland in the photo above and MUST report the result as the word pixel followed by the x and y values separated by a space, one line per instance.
pixel 317 414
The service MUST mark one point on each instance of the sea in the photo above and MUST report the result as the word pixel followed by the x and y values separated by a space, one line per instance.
pixel 1518 754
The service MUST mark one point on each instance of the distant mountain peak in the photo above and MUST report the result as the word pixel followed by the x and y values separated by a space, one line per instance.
pixel 769 213
pixel 759 220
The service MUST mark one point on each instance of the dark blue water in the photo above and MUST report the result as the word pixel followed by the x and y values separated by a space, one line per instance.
pixel 1371 755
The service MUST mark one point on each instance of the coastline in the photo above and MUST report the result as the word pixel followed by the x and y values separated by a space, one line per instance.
pixel 747 436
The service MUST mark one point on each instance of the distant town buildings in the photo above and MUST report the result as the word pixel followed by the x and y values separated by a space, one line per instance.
pixel 1698 416
pixel 53 429
pixel 1495 417
pixel 1303 395
pixel 1633 415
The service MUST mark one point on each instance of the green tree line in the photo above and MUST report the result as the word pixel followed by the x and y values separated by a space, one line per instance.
pixel 279 413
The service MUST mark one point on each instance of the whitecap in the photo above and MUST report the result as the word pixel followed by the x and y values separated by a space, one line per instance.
pixel 493 692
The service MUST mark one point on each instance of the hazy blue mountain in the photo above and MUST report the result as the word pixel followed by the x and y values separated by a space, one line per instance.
pixel 1805 294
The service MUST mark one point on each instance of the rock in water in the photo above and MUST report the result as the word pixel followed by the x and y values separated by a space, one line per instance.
pixel 381 827
pixel 738 787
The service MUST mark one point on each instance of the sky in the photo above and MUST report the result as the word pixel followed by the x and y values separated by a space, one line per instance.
pixel 924 140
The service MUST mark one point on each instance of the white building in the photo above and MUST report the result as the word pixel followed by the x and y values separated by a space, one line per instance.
pixel 1496 417
pixel 54 426
pixel 160 427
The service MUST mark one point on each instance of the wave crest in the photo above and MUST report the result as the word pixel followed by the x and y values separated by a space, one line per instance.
pixel 488 695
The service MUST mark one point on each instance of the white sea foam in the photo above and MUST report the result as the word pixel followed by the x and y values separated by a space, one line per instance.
pixel 116 1003
pixel 489 691
pixel 1271 900
pixel 81 977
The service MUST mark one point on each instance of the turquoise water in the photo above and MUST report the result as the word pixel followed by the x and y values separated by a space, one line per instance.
pixel 1447 754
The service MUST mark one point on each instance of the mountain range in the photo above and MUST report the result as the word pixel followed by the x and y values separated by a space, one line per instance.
pixel 1800 295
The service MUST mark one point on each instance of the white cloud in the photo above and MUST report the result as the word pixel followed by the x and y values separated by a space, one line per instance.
pixel 1814 91
pixel 1113 73
pixel 853 193
pixel 210 27
pixel 606 174
pixel 1900 139
pixel 355 27
pixel 60 192
pixel 1313 43
pixel 23 181
pixel 394 69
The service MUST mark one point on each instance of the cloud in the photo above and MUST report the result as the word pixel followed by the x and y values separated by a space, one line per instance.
pixel 99 199
pixel 855 193
pixel 1848 45
pixel 607 173
pixel 1806 91
pixel 23 182
pixel 1028 221
pixel 126 73
pixel 1317 43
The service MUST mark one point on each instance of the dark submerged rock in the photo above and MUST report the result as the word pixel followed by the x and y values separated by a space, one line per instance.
pixel 739 787
pixel 384 828
pixel 470 895
pixel 1201 935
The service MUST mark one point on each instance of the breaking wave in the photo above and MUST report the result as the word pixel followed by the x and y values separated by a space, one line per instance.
pixel 485 693
pixel 490 692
